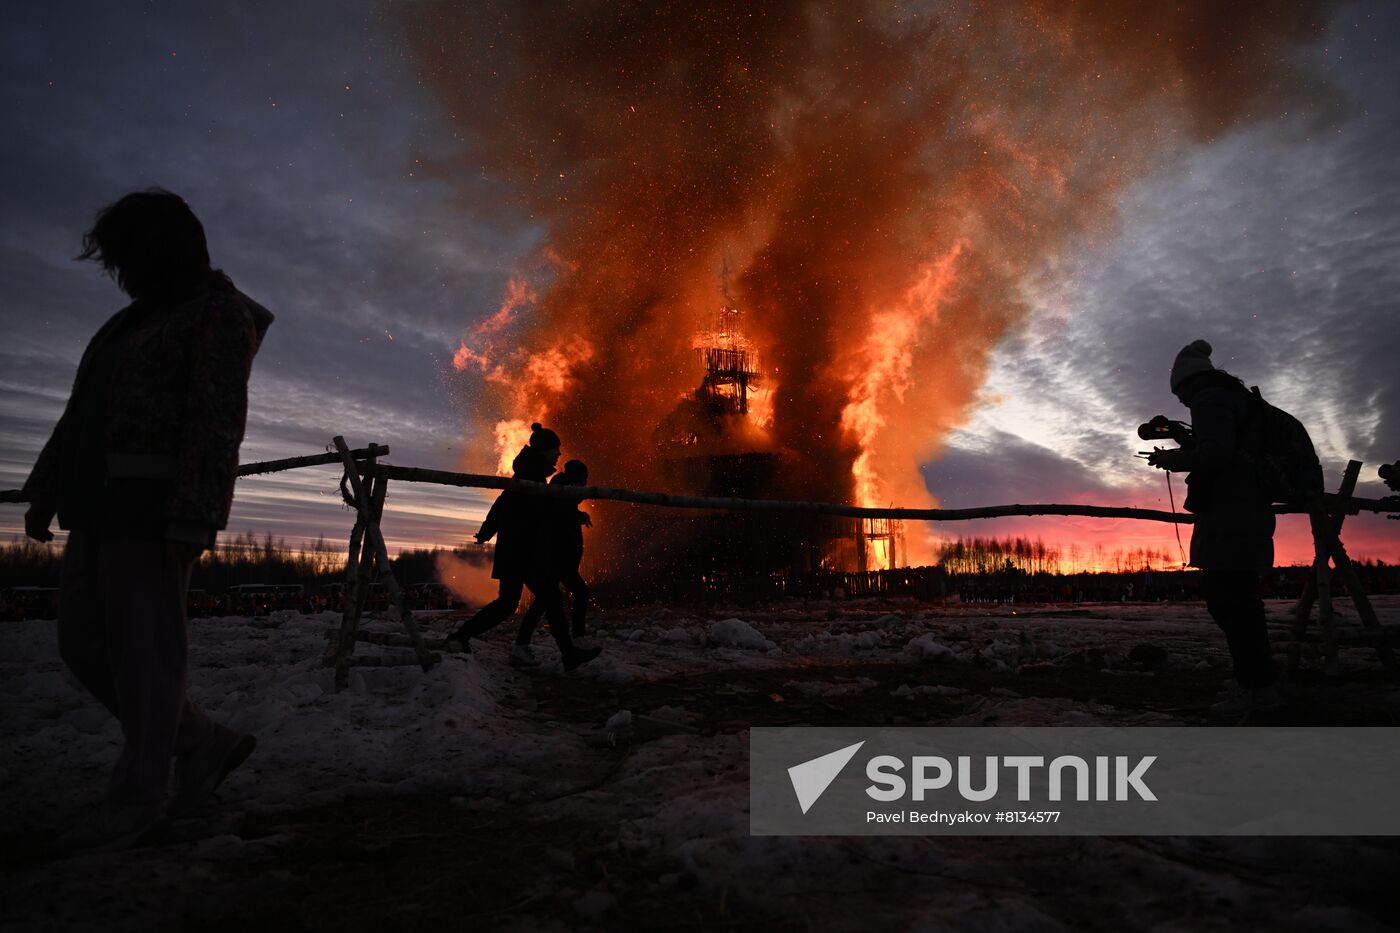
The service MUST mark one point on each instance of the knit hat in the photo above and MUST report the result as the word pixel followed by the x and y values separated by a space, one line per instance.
pixel 543 438
pixel 1193 359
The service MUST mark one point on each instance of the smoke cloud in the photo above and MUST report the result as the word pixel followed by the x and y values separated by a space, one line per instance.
pixel 879 178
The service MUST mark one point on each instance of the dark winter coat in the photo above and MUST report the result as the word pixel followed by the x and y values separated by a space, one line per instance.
pixel 515 521
pixel 148 442
pixel 1234 528
pixel 563 534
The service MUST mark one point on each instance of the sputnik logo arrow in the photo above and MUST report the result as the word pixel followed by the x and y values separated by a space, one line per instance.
pixel 811 778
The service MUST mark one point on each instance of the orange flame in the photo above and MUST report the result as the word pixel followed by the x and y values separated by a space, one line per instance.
pixel 881 378
pixel 519 294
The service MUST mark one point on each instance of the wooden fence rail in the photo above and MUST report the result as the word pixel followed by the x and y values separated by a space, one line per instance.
pixel 1351 506
pixel 484 481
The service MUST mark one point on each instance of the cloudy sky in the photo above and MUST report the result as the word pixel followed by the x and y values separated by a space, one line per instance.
pixel 301 133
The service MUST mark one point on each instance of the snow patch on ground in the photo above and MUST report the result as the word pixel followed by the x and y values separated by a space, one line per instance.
pixel 929 648
pixel 736 633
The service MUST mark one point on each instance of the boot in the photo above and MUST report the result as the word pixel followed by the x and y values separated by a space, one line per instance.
pixel 576 656
pixel 462 638
pixel 200 773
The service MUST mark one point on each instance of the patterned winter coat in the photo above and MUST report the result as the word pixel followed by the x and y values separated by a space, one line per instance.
pixel 171 423
pixel 1234 528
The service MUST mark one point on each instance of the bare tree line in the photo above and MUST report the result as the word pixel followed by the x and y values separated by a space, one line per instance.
pixel 977 555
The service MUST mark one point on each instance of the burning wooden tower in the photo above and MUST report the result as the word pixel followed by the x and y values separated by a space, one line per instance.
pixel 716 447
pixel 730 367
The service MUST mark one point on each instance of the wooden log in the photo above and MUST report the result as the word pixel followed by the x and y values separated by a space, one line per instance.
pixel 400 598
pixel 1322 515
pixel 357 570
pixel 367 454
pixel 1324 598
pixel 1326 525
pixel 1364 609
pixel 1389 505
pixel 351 604
pixel 264 466
pixel 1338 514
pixel 371 507
pixel 356 596
pixel 576 493
pixel 390 660
pixel 364 567
pixel 395 640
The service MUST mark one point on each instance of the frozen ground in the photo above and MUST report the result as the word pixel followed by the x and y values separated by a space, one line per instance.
pixel 477 796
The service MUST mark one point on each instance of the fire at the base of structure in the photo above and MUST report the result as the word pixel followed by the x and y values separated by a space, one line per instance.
pixel 715 442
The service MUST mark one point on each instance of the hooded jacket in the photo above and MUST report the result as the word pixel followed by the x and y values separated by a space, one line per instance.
pixel 1234 528
pixel 148 442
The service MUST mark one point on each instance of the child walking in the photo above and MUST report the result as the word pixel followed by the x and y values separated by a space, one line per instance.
pixel 561 554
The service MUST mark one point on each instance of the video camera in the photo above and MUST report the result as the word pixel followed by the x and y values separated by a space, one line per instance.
pixel 1162 428
pixel 1390 472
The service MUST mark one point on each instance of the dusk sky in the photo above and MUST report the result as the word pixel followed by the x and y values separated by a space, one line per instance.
pixel 343 188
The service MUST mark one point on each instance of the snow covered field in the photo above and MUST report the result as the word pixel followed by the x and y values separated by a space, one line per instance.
pixel 479 796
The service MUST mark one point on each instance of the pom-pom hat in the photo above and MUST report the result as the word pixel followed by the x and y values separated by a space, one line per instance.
pixel 542 438
pixel 1193 359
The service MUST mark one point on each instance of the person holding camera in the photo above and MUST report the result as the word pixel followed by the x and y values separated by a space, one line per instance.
pixel 1233 538
pixel 1390 475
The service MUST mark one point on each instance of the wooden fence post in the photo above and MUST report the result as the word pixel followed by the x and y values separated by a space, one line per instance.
pixel 373 555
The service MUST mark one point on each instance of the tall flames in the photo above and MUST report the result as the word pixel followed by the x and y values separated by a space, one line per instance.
pixel 881 177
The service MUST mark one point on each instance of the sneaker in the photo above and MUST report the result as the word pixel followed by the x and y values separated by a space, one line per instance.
pixel 462 639
pixel 580 656
pixel 523 656
pixel 117 827
pixel 199 774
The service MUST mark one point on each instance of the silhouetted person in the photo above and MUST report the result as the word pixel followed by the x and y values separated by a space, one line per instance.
pixel 1233 538
pixel 517 520
pixel 561 550
pixel 1390 475
pixel 140 471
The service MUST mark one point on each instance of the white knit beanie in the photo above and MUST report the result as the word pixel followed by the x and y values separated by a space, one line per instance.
pixel 1194 358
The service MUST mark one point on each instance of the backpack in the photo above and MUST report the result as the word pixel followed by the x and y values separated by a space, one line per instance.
pixel 1285 463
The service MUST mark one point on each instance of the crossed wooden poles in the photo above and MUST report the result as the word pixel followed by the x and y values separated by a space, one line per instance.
pixel 1326 518
pixel 368 553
